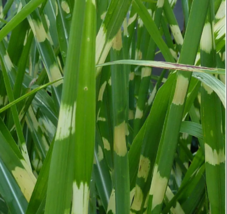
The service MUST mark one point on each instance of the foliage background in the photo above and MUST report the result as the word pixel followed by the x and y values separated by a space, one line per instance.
pixel 87 123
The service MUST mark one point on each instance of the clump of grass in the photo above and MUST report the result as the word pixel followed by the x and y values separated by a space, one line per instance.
pixel 85 124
